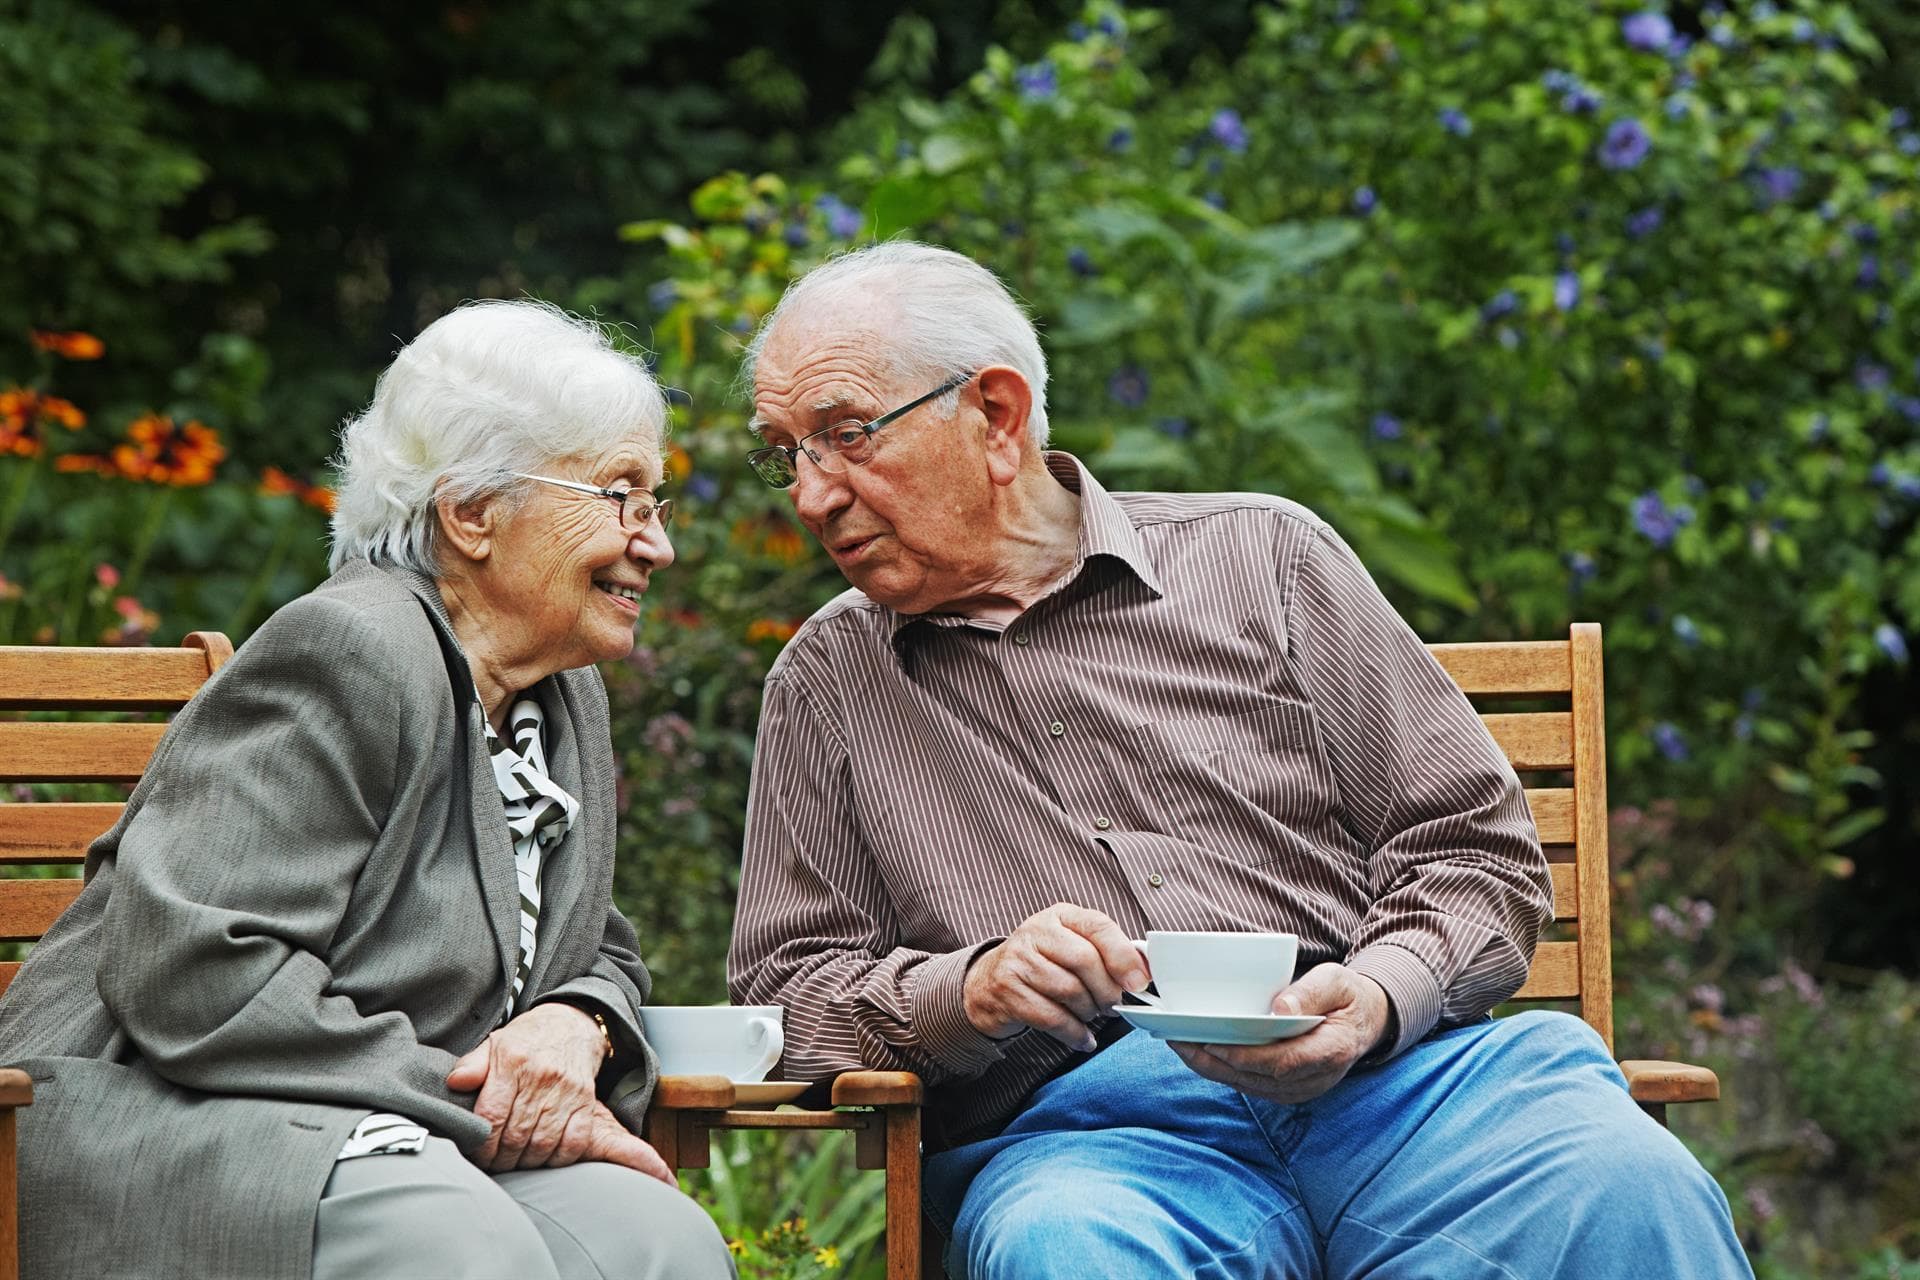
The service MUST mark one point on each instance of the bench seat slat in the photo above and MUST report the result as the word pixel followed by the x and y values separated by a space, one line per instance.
pixel 76 752
pixel 1520 667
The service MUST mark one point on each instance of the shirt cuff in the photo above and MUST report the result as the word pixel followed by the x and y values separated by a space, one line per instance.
pixel 1413 993
pixel 939 1012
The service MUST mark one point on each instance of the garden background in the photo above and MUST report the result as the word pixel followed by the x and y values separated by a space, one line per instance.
pixel 1556 310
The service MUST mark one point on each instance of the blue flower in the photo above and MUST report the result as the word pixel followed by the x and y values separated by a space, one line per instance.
pixel 1120 139
pixel 1111 25
pixel 1503 303
pixel 1887 639
pixel 1909 407
pixel 1581 100
pixel 1864 233
pixel 1669 741
pixel 1566 291
pixel 1869 376
pixel 1685 631
pixel 843 220
pixel 1869 274
pixel 1080 263
pixel 1721 35
pixel 1036 81
pixel 1386 427
pixel 1655 521
pixel 796 235
pixel 1229 130
pixel 661 294
pixel 1907 486
pixel 1678 105
pixel 1581 566
pixel 1077 31
pixel 1626 144
pixel 1804 30
pixel 702 487
pixel 1644 223
pixel 1128 385
pixel 1648 31
pixel 1817 429
pixel 1910 144
pixel 1455 121
pixel 1364 200
pixel 1776 185
pixel 1175 427
pixel 1899 118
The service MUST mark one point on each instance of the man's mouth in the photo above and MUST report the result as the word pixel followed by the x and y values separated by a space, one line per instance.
pixel 626 592
pixel 853 547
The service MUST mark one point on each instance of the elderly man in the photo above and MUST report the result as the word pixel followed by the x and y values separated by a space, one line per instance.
pixel 1049 717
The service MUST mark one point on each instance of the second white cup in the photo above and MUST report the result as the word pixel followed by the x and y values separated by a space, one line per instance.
pixel 740 1042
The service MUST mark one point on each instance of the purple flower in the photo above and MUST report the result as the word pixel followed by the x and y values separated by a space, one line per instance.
pixel 1128 385
pixel 1685 631
pixel 1760 1204
pixel 796 235
pixel 1910 144
pixel 1869 274
pixel 1178 428
pixel 1887 639
pixel 1907 486
pixel 1111 25
pixel 843 220
pixel 1909 407
pixel 1120 139
pixel 1644 223
pixel 1036 81
pixel 1077 31
pixel 1869 376
pixel 1229 130
pixel 702 487
pixel 1566 291
pixel 1648 31
pixel 1864 233
pixel 1669 741
pixel 1655 521
pixel 1364 200
pixel 1581 566
pixel 1777 185
pixel 1080 263
pixel 1455 122
pixel 1386 427
pixel 1625 145
pixel 1899 118
pixel 1503 303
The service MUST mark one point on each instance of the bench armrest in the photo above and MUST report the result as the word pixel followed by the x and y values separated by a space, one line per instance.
pixel 1649 1080
pixel 693 1093
pixel 877 1089
pixel 16 1088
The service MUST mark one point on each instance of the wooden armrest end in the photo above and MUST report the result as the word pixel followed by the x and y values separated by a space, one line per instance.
pixel 16 1088
pixel 1650 1080
pixel 877 1089
pixel 693 1093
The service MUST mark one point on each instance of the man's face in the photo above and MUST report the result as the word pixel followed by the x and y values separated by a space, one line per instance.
pixel 904 528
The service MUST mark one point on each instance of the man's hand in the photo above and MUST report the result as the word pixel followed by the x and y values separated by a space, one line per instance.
pixel 535 1076
pixel 1061 969
pixel 1303 1067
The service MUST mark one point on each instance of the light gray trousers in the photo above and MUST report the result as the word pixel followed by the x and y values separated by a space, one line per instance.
pixel 434 1215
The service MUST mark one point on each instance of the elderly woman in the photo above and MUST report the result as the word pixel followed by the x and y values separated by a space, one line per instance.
pixel 346 994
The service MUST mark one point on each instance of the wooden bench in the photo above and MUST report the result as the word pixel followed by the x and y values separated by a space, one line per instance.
pixel 1561 756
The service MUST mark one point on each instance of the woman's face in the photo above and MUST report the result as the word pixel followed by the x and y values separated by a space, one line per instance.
pixel 567 575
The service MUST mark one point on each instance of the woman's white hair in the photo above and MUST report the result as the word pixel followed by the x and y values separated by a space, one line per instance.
pixel 486 390
pixel 943 315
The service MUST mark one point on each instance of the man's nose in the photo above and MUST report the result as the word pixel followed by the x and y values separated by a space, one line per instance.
pixel 818 495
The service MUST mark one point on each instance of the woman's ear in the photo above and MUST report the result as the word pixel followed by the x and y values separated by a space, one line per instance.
pixel 467 527
pixel 1006 398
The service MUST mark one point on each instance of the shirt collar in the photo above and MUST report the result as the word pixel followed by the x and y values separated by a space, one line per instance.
pixel 1106 532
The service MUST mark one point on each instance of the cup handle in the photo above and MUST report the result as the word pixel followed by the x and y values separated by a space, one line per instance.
pixel 772 1041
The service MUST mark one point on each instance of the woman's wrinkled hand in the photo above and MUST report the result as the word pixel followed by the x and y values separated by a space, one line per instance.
pixel 535 1078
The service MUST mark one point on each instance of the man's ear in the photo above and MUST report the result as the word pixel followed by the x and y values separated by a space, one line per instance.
pixel 467 527
pixel 1006 398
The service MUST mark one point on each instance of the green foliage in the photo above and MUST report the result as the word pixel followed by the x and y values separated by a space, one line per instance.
pixel 792 1206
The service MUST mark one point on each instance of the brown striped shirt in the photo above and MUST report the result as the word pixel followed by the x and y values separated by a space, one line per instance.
pixel 1215 722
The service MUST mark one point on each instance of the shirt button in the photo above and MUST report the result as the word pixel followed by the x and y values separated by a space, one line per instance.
pixel 1156 879
pixel 1056 728
pixel 1023 640
pixel 1102 824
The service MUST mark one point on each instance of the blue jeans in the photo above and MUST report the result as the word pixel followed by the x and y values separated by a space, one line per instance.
pixel 1503 1149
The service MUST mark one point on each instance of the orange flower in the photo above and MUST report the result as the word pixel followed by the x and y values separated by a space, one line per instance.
pixel 679 464
pixel 85 462
pixel 319 497
pixel 771 629
pixel 24 412
pixel 160 452
pixel 274 481
pixel 785 544
pixel 69 346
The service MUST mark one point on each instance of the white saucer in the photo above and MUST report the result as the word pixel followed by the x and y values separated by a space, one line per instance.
pixel 1217 1028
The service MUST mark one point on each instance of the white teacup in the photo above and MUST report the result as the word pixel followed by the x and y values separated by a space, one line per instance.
pixel 1220 973
pixel 740 1042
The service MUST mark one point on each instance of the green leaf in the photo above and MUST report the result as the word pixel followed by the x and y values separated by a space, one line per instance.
pixel 943 153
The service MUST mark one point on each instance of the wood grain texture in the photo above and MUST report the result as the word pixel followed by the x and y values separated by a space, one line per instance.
pixel 1650 1080
pixel 28 908
pixel 1534 740
pixel 1552 809
pixel 52 832
pixel 1507 667
pixel 1555 974
pixel 76 752
pixel 1590 831
pixel 71 678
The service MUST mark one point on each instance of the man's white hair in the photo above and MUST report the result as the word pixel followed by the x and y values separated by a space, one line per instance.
pixel 486 390
pixel 942 314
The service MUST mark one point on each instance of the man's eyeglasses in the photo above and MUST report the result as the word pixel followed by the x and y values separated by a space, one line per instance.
pixel 637 506
pixel 834 449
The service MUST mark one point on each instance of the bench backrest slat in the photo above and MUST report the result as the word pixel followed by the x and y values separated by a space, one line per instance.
pixel 1572 819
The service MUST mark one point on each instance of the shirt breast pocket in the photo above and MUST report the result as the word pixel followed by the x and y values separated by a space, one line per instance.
pixel 1246 785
